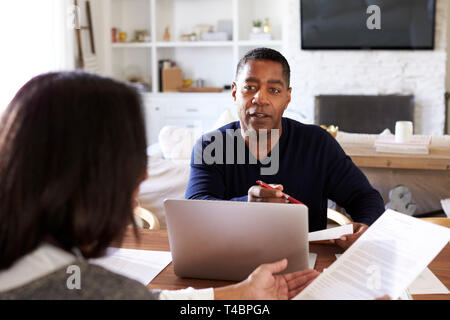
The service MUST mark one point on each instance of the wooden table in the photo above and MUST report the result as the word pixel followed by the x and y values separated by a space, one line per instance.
pixel 158 240
pixel 367 157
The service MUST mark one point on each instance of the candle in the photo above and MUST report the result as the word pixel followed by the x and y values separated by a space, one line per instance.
pixel 403 131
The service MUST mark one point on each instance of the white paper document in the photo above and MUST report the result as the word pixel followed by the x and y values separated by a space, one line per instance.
pixel 427 283
pixel 332 233
pixel 312 260
pixel 140 265
pixel 446 207
pixel 385 260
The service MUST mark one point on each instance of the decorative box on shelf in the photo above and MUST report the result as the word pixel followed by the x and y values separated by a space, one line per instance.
pixel 214 36
pixel 417 145
pixel 172 79
pixel 260 36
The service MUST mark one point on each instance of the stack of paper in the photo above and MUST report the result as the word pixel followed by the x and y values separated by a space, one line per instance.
pixel 332 233
pixel 140 265
pixel 385 260
pixel 417 145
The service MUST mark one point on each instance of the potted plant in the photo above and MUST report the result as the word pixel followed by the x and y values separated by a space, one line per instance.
pixel 257 26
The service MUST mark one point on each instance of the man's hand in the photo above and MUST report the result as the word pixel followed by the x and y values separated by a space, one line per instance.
pixel 347 239
pixel 262 284
pixel 260 194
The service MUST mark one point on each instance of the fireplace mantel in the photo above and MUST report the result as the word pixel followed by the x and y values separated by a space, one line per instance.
pixel 363 113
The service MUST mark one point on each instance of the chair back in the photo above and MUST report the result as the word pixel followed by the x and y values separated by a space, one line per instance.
pixel 338 217
pixel 148 219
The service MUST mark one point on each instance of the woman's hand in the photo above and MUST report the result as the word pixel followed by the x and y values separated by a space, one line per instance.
pixel 263 284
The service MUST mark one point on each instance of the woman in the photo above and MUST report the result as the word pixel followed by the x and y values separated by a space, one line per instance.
pixel 72 155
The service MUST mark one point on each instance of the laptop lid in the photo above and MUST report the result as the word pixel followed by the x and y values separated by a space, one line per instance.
pixel 227 240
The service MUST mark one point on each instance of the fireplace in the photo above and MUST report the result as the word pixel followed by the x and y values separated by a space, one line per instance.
pixel 363 114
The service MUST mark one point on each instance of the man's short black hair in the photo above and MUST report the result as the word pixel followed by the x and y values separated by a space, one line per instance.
pixel 266 54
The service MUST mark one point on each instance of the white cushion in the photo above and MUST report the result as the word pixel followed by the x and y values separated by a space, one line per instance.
pixel 225 118
pixel 176 142
pixel 167 179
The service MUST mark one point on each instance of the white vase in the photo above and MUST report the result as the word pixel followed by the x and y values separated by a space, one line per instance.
pixel 256 30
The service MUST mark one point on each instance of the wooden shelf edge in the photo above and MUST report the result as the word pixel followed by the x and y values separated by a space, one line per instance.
pixel 204 89
pixel 401 163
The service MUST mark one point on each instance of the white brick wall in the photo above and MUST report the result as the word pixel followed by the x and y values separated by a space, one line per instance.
pixel 421 73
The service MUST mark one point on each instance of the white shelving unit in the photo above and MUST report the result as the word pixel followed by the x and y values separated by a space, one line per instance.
pixel 213 61
pixel 187 44
pixel 131 45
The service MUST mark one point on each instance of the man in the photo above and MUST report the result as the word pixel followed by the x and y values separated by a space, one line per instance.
pixel 301 160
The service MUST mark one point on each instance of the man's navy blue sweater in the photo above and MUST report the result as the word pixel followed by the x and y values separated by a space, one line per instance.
pixel 312 168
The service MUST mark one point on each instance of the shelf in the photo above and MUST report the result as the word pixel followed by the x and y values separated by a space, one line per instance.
pixel 249 43
pixel 202 89
pixel 182 95
pixel 212 61
pixel 185 44
pixel 131 45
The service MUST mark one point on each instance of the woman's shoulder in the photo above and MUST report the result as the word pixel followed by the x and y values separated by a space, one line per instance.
pixel 81 280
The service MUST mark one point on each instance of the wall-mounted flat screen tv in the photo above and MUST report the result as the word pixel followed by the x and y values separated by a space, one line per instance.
pixel 367 24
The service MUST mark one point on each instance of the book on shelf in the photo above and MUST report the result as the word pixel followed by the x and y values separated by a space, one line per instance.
pixel 214 36
pixel 160 68
pixel 260 36
pixel 417 145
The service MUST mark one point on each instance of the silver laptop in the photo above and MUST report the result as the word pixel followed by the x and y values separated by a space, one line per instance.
pixel 227 240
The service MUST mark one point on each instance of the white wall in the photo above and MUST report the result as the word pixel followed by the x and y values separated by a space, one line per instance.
pixel 425 74
pixel 36 40
pixel 448 64
pixel 422 73
pixel 448 49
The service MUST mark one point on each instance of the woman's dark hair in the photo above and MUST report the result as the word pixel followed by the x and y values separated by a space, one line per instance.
pixel 72 153
pixel 266 54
